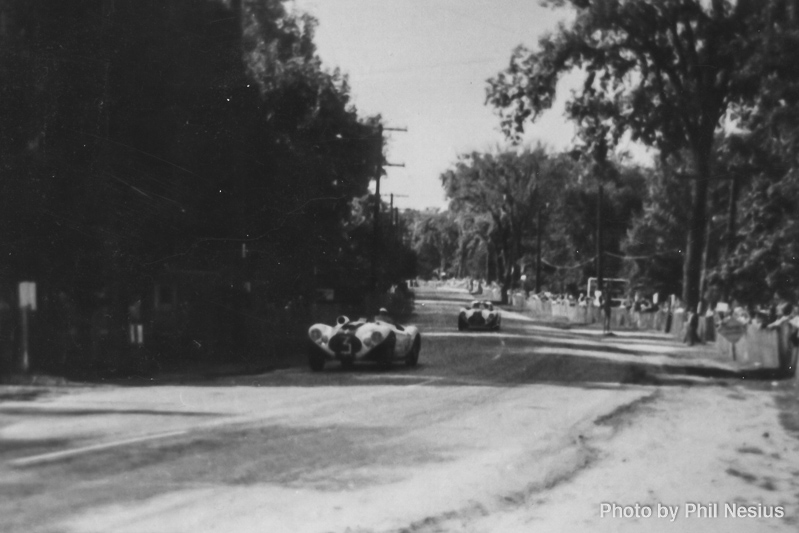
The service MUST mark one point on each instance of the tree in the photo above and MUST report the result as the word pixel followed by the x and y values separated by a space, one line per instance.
pixel 663 71
pixel 434 238
pixel 761 255
pixel 140 134
pixel 507 187
pixel 655 241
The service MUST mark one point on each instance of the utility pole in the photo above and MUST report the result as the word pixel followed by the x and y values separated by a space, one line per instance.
pixel 376 221
pixel 394 212
pixel 600 251
pixel 378 175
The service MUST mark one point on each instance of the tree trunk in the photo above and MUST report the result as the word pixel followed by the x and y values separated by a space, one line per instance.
pixel 538 254
pixel 705 259
pixel 461 259
pixel 488 263
pixel 732 215
pixel 692 266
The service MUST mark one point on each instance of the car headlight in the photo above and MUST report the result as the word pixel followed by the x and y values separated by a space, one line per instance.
pixel 376 337
pixel 316 334
pixel 324 339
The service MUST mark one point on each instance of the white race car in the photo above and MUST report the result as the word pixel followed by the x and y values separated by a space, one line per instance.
pixel 479 315
pixel 363 340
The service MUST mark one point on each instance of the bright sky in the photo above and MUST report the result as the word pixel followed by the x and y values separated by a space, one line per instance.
pixel 423 65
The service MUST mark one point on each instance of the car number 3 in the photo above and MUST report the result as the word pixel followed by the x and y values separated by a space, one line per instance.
pixel 346 347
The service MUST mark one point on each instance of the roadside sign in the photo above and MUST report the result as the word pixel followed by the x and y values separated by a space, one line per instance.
pixel 732 330
pixel 27 295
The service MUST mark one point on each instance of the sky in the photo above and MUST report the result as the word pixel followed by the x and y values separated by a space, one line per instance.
pixel 423 65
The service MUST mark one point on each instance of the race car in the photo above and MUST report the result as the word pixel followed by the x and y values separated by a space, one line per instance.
pixel 363 340
pixel 479 315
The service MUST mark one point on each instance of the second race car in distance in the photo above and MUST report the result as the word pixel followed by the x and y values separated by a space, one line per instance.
pixel 480 314
pixel 363 340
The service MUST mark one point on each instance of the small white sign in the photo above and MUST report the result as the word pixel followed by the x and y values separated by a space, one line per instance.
pixel 27 295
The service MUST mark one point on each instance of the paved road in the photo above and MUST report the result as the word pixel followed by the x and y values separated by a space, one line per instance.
pixel 486 421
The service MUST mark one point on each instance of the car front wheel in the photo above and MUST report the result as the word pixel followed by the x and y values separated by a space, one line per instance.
pixel 386 357
pixel 413 356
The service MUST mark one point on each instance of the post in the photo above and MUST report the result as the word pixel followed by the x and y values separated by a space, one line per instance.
pixel 538 254
pixel 376 229
pixel 391 214
pixel 25 355
pixel 599 247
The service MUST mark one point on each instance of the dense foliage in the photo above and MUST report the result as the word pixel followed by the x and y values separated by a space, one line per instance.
pixel 503 204
pixel 663 71
pixel 193 156
pixel 140 135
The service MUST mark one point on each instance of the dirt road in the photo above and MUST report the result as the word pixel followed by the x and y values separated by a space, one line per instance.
pixel 530 429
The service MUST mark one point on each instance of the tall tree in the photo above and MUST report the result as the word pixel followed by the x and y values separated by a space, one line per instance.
pixel 435 238
pixel 508 187
pixel 761 259
pixel 143 133
pixel 662 71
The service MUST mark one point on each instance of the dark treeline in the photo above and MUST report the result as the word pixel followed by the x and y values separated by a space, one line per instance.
pixel 691 79
pixel 533 214
pixel 140 137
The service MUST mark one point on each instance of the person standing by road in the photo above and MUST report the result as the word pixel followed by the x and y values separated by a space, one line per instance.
pixel 135 326
pixel 606 305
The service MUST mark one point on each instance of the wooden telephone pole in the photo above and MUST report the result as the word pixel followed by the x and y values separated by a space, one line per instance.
pixel 378 175
pixel 394 212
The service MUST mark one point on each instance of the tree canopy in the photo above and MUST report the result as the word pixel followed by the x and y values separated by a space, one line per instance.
pixel 664 72
pixel 144 134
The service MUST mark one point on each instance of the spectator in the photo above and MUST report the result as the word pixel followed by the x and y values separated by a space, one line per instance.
pixel 638 303
pixel 581 301
pixel 627 303
pixel 785 316
pixel 135 324
pixel 607 310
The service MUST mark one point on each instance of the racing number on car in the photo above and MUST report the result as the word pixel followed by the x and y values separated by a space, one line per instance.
pixel 346 347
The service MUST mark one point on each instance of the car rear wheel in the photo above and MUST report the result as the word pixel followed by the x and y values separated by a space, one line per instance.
pixel 413 356
pixel 462 325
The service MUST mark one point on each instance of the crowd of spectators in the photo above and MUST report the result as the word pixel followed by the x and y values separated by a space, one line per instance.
pixel 766 316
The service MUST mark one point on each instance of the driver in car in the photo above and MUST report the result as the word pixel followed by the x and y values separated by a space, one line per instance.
pixel 383 316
